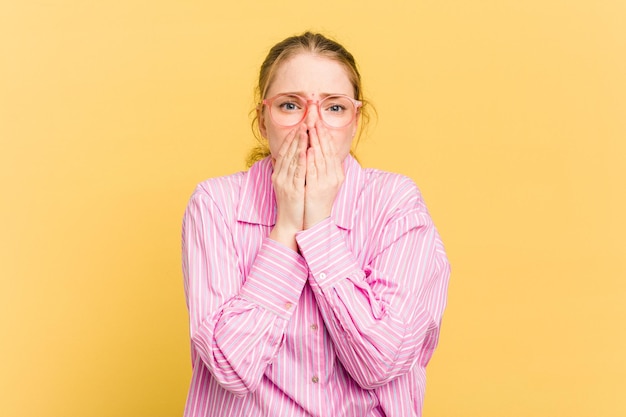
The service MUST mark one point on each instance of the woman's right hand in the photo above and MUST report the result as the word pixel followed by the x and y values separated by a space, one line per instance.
pixel 288 180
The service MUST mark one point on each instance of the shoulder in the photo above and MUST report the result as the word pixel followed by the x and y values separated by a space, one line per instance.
pixel 219 195
pixel 391 190
pixel 237 194
pixel 390 206
pixel 224 188
pixel 392 203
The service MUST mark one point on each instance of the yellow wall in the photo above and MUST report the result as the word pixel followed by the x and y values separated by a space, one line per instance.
pixel 510 115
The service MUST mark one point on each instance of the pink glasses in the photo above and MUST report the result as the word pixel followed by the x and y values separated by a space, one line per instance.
pixel 336 111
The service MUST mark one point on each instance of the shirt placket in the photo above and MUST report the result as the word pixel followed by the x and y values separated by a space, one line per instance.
pixel 314 334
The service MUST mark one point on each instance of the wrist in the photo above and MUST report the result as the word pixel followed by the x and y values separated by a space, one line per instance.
pixel 285 236
pixel 311 218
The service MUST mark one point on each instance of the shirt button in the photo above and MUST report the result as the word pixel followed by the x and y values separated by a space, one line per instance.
pixel 322 275
pixel 314 327
pixel 288 306
pixel 315 380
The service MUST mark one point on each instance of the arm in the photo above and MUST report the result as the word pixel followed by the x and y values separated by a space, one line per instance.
pixel 383 317
pixel 236 322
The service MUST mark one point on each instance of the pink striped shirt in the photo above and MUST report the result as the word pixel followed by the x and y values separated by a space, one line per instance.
pixel 344 327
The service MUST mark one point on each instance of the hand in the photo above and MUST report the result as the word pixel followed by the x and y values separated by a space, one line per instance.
pixel 324 176
pixel 288 181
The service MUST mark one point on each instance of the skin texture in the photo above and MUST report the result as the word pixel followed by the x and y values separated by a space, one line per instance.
pixel 308 171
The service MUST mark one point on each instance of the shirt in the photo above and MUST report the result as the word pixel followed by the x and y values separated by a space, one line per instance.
pixel 343 327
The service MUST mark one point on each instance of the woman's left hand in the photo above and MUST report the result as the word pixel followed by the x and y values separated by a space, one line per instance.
pixel 324 176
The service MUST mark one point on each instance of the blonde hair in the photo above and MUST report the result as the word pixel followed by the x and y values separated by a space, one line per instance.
pixel 313 43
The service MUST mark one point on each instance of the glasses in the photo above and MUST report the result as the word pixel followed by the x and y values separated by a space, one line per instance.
pixel 336 111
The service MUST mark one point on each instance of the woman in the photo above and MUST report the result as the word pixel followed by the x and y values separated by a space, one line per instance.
pixel 315 287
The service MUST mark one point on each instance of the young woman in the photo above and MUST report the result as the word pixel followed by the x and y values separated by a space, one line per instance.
pixel 315 287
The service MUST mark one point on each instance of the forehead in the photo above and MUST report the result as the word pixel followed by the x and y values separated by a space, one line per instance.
pixel 311 75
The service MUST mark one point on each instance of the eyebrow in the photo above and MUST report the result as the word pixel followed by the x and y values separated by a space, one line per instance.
pixel 303 94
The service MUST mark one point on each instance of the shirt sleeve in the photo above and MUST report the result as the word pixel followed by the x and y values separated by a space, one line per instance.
pixel 236 323
pixel 383 317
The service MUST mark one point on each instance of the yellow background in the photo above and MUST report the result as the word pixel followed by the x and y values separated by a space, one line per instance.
pixel 510 115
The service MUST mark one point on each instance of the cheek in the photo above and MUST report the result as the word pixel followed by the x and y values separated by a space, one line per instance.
pixel 343 142
pixel 275 137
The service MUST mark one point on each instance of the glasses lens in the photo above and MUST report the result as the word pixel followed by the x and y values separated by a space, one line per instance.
pixel 337 111
pixel 288 110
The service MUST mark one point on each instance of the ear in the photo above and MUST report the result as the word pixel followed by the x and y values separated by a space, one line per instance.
pixel 261 120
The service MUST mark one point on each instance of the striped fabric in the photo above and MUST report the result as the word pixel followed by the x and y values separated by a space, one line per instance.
pixel 344 327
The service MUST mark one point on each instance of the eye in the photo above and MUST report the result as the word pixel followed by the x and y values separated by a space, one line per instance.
pixel 336 104
pixel 336 108
pixel 288 104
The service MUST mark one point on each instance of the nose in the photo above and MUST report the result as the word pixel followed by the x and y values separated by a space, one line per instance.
pixel 312 114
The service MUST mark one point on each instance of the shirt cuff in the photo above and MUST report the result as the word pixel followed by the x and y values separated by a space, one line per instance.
pixel 276 279
pixel 327 255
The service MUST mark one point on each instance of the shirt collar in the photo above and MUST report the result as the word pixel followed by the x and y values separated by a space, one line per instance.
pixel 258 203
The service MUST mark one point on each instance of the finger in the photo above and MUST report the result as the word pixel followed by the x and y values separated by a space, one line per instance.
pixel 296 149
pixel 303 141
pixel 300 158
pixel 323 139
pixel 290 157
pixel 314 138
pixel 319 158
pixel 333 160
pixel 283 151
pixel 328 150
pixel 311 168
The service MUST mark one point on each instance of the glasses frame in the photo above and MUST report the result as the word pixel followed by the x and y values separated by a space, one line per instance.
pixel 268 102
